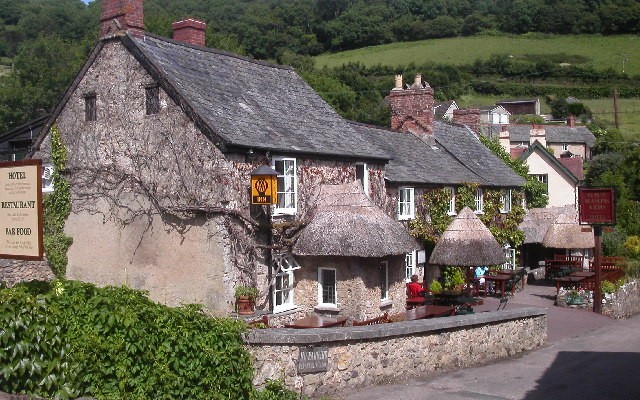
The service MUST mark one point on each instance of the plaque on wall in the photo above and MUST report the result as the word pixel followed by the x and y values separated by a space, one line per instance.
pixel 313 359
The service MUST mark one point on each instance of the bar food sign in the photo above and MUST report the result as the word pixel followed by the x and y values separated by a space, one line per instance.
pixel 21 210
pixel 597 206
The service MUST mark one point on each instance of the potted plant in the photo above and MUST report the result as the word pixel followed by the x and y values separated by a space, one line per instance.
pixel 435 287
pixel 246 299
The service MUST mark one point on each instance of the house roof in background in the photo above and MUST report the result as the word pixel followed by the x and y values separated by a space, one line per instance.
pixel 512 101
pixel 440 109
pixel 250 104
pixel 539 148
pixel 555 134
pixel 457 157
pixel 30 129
pixel 575 165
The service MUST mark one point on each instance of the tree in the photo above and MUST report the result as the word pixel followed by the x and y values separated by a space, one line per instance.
pixel 43 68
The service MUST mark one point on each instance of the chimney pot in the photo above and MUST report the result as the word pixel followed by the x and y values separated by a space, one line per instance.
pixel 398 82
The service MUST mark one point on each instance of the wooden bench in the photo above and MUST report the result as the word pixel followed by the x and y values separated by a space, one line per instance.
pixel 557 268
pixel 383 319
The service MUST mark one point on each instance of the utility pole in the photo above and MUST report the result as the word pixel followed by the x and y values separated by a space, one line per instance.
pixel 625 58
pixel 616 115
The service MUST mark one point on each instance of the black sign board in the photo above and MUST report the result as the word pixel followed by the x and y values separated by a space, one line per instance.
pixel 313 359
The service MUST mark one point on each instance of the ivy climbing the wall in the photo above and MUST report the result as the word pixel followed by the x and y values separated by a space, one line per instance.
pixel 57 207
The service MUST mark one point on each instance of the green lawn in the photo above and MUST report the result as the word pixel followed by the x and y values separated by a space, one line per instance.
pixel 600 52
pixel 629 114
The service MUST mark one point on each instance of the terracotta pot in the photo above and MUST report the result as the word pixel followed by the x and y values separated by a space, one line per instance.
pixel 245 305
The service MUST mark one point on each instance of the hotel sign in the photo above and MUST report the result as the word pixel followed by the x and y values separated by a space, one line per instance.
pixel 313 359
pixel 597 206
pixel 21 210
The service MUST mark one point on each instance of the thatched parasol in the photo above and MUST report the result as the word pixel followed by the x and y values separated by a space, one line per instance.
pixel 538 220
pixel 466 243
pixel 344 222
pixel 567 233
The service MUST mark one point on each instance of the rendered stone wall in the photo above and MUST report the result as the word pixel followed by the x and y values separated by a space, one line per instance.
pixel 15 271
pixel 368 355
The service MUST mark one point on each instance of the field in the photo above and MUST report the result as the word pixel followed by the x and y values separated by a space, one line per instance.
pixel 601 52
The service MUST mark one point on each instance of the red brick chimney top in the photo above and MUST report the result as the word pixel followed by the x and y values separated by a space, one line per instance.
pixel 190 31
pixel 127 15
pixel 571 121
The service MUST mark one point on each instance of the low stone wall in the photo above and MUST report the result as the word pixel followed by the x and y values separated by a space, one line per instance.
pixel 351 357
pixel 624 303
pixel 15 271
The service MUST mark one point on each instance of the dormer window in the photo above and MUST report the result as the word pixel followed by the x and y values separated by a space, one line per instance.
pixel 152 99
pixel 90 111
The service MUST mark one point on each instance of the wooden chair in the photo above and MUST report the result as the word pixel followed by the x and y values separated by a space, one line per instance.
pixel 383 319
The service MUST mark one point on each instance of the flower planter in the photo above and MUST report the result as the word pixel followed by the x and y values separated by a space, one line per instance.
pixel 245 305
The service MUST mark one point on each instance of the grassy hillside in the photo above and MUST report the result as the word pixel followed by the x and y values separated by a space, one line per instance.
pixel 601 52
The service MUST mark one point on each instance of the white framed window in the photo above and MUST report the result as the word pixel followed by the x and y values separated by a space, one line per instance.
pixel 479 201
pixel 384 280
pixel 544 178
pixel 505 201
pixel 282 282
pixel 565 146
pixel 362 173
pixel 409 265
pixel 510 256
pixel 452 200
pixel 406 204
pixel 47 178
pixel 287 185
pixel 327 288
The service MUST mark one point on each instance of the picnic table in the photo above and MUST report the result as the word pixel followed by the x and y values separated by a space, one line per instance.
pixel 430 311
pixel 317 321
pixel 499 280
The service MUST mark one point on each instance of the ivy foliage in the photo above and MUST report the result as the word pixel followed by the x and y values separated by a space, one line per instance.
pixel 66 339
pixel 57 207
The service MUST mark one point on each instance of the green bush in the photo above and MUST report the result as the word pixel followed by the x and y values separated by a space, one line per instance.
pixel 608 287
pixel 70 339
pixel 435 287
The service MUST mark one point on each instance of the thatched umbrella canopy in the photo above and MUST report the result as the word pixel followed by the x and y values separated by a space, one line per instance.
pixel 538 220
pixel 467 242
pixel 567 233
pixel 344 222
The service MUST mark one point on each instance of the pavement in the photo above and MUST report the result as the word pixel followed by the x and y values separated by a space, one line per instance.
pixel 587 356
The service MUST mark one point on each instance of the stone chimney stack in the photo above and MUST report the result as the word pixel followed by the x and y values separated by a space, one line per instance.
pixel 571 121
pixel 538 133
pixel 189 31
pixel 469 117
pixel 504 138
pixel 127 14
pixel 412 108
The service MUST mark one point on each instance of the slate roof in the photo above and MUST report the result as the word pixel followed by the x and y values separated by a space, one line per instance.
pixel 555 134
pixel 252 104
pixel 457 157
pixel 440 109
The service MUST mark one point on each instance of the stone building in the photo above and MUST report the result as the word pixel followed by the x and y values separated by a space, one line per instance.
pixel 162 136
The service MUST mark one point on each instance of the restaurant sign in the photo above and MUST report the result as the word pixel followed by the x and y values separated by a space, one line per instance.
pixel 597 206
pixel 21 210
pixel 313 359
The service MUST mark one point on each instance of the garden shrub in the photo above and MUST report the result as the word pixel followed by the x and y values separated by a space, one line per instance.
pixel 68 339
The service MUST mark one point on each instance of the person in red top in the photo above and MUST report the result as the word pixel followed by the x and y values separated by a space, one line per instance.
pixel 414 289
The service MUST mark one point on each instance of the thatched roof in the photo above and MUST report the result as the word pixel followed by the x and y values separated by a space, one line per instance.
pixel 567 233
pixel 346 223
pixel 538 220
pixel 467 242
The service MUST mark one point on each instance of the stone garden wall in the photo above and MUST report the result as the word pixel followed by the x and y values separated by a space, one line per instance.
pixel 624 303
pixel 340 359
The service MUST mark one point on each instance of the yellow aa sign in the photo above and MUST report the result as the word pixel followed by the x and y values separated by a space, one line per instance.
pixel 264 189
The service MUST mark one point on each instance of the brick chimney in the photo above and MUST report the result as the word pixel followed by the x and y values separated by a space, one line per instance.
pixel 571 121
pixel 127 13
pixel 469 117
pixel 189 31
pixel 412 108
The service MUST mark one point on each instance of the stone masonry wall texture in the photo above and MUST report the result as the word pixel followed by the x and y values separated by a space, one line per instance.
pixel 369 355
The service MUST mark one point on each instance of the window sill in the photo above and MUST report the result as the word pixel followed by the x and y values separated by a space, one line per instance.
pixel 386 303
pixel 326 308
pixel 405 217
pixel 290 309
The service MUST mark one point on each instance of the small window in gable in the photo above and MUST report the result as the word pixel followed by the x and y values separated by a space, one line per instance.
pixel 565 146
pixel 362 174
pixel 505 201
pixel 90 107
pixel 327 286
pixel 152 96
pixel 479 201
pixel 452 200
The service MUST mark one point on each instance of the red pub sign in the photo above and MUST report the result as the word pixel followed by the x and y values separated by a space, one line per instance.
pixel 597 206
